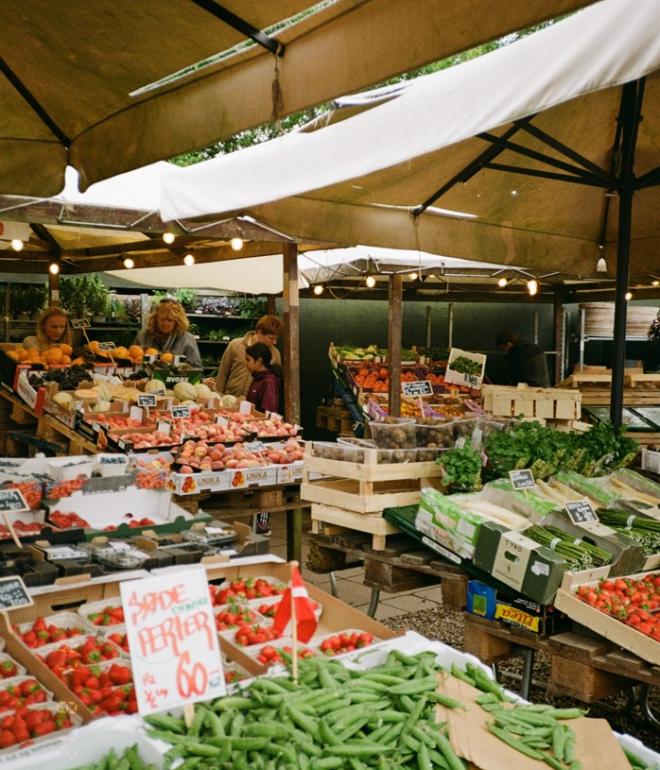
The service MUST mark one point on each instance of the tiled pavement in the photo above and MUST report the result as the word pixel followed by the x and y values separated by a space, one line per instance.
pixel 350 587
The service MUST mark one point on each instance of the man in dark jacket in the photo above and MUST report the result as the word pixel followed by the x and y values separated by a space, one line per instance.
pixel 526 361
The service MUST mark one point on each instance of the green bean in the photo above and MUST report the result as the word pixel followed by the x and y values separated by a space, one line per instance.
pixel 573 713
pixel 203 749
pixel 267 730
pixel 232 702
pixel 415 686
pixel 438 760
pixel 359 750
pixel 327 735
pixel 303 721
pixel 451 758
pixel 446 701
pixel 515 744
pixel 569 748
pixel 423 759
pixel 423 737
pixel 326 763
pixel 554 763
pixel 456 671
pixel 134 759
pixel 166 722
pixel 559 742
pixel 197 721
pixel 162 735
pixel 412 743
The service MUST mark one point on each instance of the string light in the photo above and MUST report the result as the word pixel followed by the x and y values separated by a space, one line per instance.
pixel 601 265
pixel 370 281
pixel 129 264
pixel 236 244
pixel 628 296
pixel 655 283
pixel 189 260
pixel 413 276
pixel 54 268
pixel 532 287
pixel 169 237
pixel 502 282
pixel 17 244
pixel 318 290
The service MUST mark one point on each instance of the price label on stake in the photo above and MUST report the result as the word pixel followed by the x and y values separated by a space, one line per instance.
pixel 180 412
pixel 580 511
pixel 12 500
pixel 522 479
pixel 255 446
pixel 13 593
pixel 417 388
pixel 173 640
pixel 80 323
pixel 110 345
pixel 147 400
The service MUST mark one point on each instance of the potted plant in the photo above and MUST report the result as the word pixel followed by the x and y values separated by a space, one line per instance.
pixel 187 297
pixel 84 295
pixel 26 300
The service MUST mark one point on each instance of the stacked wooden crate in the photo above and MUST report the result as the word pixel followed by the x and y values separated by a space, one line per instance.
pixel 555 404
pixel 353 495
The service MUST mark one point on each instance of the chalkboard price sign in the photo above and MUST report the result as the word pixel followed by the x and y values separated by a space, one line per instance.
pixel 110 345
pixel 12 500
pixel 80 323
pixel 581 512
pixel 522 479
pixel 146 399
pixel 417 388
pixel 180 412
pixel 13 593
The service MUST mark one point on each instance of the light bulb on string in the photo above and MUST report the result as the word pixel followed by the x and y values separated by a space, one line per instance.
pixel 189 260
pixel 318 290
pixel 502 282
pixel 54 268
pixel 533 287
pixel 628 296
pixel 370 281
pixel 413 276
pixel 129 264
pixel 169 237
pixel 236 244
pixel 655 283
pixel 17 244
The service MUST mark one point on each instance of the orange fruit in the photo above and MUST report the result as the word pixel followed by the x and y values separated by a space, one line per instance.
pixel 66 349
pixel 22 354
pixel 167 358
pixel 135 352
pixel 120 352
pixel 53 356
pixel 13 354
pixel 66 360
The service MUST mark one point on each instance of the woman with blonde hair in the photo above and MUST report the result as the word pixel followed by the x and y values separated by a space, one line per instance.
pixel 52 329
pixel 167 331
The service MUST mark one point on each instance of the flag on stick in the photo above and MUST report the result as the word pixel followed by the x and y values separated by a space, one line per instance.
pixel 297 606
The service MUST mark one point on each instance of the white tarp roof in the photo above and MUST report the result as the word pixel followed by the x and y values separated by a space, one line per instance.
pixel 356 180
pixel 263 275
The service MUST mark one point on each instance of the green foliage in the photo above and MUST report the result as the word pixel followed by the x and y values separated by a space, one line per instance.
pixel 27 298
pixel 187 297
pixel 83 295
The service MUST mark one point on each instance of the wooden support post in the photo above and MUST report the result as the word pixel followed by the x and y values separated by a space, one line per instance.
pixel 429 314
pixel 291 334
pixel 558 336
pixel 270 304
pixel 53 289
pixel 394 342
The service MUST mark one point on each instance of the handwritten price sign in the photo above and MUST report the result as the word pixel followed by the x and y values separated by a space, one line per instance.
pixel 173 642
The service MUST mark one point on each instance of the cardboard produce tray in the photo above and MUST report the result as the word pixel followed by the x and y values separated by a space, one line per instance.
pixel 625 636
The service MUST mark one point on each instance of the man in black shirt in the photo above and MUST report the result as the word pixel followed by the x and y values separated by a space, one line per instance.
pixel 526 361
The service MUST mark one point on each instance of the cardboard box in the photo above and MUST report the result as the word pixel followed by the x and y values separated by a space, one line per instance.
pixel 519 562
pixel 605 625
pixel 35 398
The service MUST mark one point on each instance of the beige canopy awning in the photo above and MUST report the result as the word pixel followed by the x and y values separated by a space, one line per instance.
pixel 111 85
pixel 440 166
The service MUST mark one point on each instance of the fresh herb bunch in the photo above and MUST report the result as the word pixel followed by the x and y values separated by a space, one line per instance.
pixel 462 469
pixel 464 365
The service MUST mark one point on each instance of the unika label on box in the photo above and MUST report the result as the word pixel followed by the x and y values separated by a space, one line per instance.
pixel 580 511
pixel 173 640
pixel 418 388
pixel 522 479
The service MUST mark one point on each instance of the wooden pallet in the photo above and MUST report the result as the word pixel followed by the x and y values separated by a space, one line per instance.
pixel 650 381
pixel 545 403
pixel 588 668
pixel 328 519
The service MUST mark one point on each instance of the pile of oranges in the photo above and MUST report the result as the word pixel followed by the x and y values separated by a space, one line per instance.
pixel 56 355
pixel 376 379
pixel 134 353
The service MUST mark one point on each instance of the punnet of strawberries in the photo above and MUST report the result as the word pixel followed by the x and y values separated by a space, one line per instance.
pixel 25 693
pixel 247 634
pixel 234 616
pixel 248 588
pixel 66 657
pixel 634 602
pixel 25 723
pixel 108 616
pixel 104 690
pixel 346 642
pixel 120 639
pixel 42 633
pixel 269 655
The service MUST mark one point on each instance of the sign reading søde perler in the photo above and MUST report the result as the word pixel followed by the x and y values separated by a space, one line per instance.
pixel 173 640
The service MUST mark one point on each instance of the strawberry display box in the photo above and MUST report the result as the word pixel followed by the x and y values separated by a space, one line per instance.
pixel 122 512
pixel 337 616
pixel 590 604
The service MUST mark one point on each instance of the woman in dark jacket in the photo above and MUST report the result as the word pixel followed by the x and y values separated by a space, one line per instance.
pixel 266 389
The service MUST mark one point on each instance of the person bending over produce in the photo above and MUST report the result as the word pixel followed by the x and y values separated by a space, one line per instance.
pixel 52 329
pixel 167 330
pixel 234 378
pixel 525 361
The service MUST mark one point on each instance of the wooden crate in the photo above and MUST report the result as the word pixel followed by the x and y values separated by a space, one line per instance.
pixel 546 403
pixel 370 470
pixel 582 680
pixel 340 520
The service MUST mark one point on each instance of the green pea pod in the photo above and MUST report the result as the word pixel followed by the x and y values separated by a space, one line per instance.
pixel 134 759
pixel 165 722
pixel 514 743
pixel 451 758
pixel 112 760
pixel 456 671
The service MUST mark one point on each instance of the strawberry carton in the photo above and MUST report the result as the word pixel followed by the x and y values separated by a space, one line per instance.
pixel 52 629
pixel 107 613
pixel 29 724
pixel 22 691
pixel 9 668
pixel 343 642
